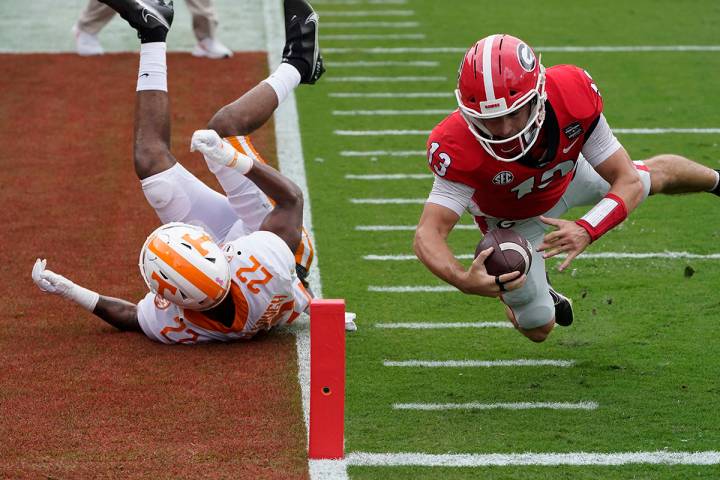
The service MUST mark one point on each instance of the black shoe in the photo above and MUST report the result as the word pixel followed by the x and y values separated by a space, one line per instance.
pixel 563 308
pixel 151 18
pixel 302 49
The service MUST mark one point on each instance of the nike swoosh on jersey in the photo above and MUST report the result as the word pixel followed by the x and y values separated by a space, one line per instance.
pixel 567 149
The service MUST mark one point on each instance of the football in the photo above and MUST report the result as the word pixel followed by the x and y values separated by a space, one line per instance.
pixel 511 253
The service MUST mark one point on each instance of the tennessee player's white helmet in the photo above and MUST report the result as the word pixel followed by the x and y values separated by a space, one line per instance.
pixel 182 264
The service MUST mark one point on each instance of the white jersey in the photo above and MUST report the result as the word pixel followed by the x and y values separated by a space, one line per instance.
pixel 264 288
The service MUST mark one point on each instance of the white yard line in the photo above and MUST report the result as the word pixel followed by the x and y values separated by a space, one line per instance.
pixel 376 36
pixel 531 459
pixel 368 13
pixel 404 228
pixel 412 288
pixel 383 153
pixel 497 406
pixel 393 25
pixel 391 95
pixel 629 131
pixel 292 164
pixel 389 63
pixel 388 113
pixel 540 49
pixel 383 201
pixel 390 176
pixel 523 362
pixel 408 79
pixel 441 325
pixel 584 256
pixel 359 2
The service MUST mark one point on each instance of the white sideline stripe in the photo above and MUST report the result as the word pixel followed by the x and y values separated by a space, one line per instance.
pixel 399 63
pixel 386 79
pixel 375 36
pixel 584 256
pixel 438 325
pixel 530 459
pixel 382 201
pixel 542 49
pixel 413 288
pixel 630 131
pixel 391 95
pixel 403 228
pixel 369 13
pixel 390 112
pixel 497 406
pixel 390 176
pixel 383 153
pixel 292 164
pixel 479 363
pixel 369 25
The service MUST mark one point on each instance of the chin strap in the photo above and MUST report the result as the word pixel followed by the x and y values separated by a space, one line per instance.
pixel 607 214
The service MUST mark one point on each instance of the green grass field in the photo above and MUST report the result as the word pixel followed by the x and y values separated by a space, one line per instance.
pixel 644 338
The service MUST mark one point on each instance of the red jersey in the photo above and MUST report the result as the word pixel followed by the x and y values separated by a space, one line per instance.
pixel 522 189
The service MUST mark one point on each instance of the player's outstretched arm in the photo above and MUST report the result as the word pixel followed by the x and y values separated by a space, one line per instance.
pixel 119 313
pixel 432 249
pixel 285 220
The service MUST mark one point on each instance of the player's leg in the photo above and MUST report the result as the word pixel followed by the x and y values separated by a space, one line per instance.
pixel 671 174
pixel 92 19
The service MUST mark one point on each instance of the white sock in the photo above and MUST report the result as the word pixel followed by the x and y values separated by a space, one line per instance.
pixel 152 74
pixel 283 80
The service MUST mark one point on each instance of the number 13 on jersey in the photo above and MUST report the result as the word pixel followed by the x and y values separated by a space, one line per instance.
pixel 439 162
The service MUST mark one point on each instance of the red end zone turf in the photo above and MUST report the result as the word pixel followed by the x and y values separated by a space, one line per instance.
pixel 80 399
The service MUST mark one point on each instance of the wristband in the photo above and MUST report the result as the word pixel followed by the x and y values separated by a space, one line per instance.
pixel 607 214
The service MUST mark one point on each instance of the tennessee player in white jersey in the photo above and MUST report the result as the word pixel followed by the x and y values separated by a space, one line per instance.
pixel 223 267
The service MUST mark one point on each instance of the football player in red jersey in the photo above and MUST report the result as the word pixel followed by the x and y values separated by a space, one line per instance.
pixel 525 145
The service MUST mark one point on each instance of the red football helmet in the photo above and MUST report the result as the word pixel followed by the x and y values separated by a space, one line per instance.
pixel 498 76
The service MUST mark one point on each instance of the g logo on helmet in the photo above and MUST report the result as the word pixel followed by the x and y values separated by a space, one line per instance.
pixel 526 57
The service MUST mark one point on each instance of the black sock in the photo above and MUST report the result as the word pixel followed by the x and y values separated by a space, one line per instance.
pixel 716 190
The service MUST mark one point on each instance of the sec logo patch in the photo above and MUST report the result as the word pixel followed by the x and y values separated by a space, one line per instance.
pixel 503 178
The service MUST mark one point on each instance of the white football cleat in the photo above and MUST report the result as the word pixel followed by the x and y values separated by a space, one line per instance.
pixel 86 44
pixel 211 48
pixel 350 322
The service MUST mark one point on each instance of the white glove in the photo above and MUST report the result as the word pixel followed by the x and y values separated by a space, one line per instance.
pixel 218 151
pixel 50 282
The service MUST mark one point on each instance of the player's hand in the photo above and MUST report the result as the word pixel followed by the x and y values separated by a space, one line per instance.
pixel 218 151
pixel 478 282
pixel 49 281
pixel 568 237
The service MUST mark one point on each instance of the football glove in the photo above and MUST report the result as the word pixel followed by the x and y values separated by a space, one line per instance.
pixel 218 151
pixel 50 282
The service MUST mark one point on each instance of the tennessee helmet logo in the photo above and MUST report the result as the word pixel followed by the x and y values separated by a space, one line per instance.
pixel 526 57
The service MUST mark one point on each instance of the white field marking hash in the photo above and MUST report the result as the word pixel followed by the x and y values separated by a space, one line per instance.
pixel 390 176
pixel 497 406
pixel 391 95
pixel 369 13
pixel 412 288
pixel 376 36
pixel 440 325
pixel 662 457
pixel 387 113
pixel 370 25
pixel 629 131
pixel 383 153
pixel 404 228
pixel 584 256
pixel 382 201
pixel 618 49
pixel 389 63
pixel 386 79
pixel 522 362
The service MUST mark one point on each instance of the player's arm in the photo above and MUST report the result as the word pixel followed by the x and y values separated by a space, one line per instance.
pixel 285 220
pixel 119 313
pixel 431 247
pixel 613 164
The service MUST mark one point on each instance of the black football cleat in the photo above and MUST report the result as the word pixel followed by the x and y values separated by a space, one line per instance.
pixel 151 18
pixel 563 308
pixel 302 49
